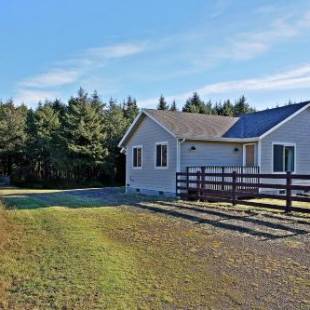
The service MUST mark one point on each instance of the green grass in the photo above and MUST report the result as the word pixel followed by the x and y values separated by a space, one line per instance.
pixel 61 251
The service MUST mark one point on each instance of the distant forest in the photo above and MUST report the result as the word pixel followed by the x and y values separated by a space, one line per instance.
pixel 75 144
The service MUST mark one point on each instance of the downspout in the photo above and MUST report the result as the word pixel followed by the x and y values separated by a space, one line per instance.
pixel 124 151
pixel 259 158
pixel 178 161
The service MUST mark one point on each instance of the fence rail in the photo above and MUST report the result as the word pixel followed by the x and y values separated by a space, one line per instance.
pixel 234 187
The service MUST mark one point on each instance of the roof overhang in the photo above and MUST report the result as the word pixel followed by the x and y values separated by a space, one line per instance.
pixel 227 140
pixel 207 139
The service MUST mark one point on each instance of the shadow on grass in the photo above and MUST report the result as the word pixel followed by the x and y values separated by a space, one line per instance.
pixel 77 198
pixel 103 197
pixel 258 228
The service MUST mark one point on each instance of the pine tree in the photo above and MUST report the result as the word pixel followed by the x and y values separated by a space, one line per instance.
pixel 84 134
pixel 116 125
pixel 12 135
pixel 43 140
pixel 194 104
pixel 242 107
pixel 227 108
pixel 162 104
pixel 131 109
pixel 173 106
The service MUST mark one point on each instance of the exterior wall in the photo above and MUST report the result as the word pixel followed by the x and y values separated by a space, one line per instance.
pixel 149 179
pixel 211 154
pixel 296 130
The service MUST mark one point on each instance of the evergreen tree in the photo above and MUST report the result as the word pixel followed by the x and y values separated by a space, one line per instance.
pixel 162 104
pixel 173 106
pixel 208 108
pixel 131 109
pixel 116 126
pixel 12 135
pixel 43 140
pixel 242 107
pixel 84 135
pixel 227 108
pixel 194 104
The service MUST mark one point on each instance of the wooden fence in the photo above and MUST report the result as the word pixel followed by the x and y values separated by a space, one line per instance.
pixel 238 188
pixel 217 175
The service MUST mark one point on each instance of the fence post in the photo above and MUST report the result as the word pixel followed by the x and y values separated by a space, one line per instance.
pixel 288 192
pixel 234 180
pixel 223 178
pixel 187 182
pixel 202 184
pixel 176 184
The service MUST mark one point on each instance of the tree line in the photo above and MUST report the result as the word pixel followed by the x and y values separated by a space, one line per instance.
pixel 195 105
pixel 76 143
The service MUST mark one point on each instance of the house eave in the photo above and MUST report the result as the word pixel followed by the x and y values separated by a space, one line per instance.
pixel 224 140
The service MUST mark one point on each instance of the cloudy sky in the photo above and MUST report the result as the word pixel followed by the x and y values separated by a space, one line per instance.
pixel 220 48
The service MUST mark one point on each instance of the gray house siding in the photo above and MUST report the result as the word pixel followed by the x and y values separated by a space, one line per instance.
pixel 210 153
pixel 148 179
pixel 296 130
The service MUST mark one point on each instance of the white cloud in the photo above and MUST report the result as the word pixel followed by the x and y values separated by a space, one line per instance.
pixel 248 45
pixel 30 97
pixel 54 77
pixel 70 71
pixel 116 51
pixel 298 78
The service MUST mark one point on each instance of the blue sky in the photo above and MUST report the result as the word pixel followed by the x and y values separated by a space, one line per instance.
pixel 220 48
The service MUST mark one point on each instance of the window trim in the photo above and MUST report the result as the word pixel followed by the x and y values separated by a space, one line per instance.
pixel 132 156
pixel 284 144
pixel 155 155
pixel 244 154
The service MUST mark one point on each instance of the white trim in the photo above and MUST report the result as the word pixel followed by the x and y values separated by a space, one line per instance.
pixel 155 155
pixel 284 121
pixel 272 158
pixel 237 140
pixel 130 128
pixel 132 156
pixel 244 153
pixel 178 161
pixel 259 154
pixel 120 144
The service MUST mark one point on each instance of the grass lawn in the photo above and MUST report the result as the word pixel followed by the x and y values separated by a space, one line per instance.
pixel 60 250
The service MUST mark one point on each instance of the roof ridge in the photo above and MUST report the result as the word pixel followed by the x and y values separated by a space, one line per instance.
pixel 191 113
pixel 303 103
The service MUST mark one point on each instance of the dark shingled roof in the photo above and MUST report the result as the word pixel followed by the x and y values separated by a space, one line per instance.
pixel 193 125
pixel 203 127
pixel 255 124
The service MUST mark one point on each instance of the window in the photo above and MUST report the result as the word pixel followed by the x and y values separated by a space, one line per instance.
pixel 283 158
pixel 137 156
pixel 161 155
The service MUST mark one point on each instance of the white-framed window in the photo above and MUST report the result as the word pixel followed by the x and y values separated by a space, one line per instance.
pixel 284 157
pixel 249 154
pixel 161 155
pixel 137 154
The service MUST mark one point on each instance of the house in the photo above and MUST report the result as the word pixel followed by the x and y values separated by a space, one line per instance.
pixel 160 143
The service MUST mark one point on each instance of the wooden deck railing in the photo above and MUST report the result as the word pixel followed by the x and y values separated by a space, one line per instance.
pixel 240 187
